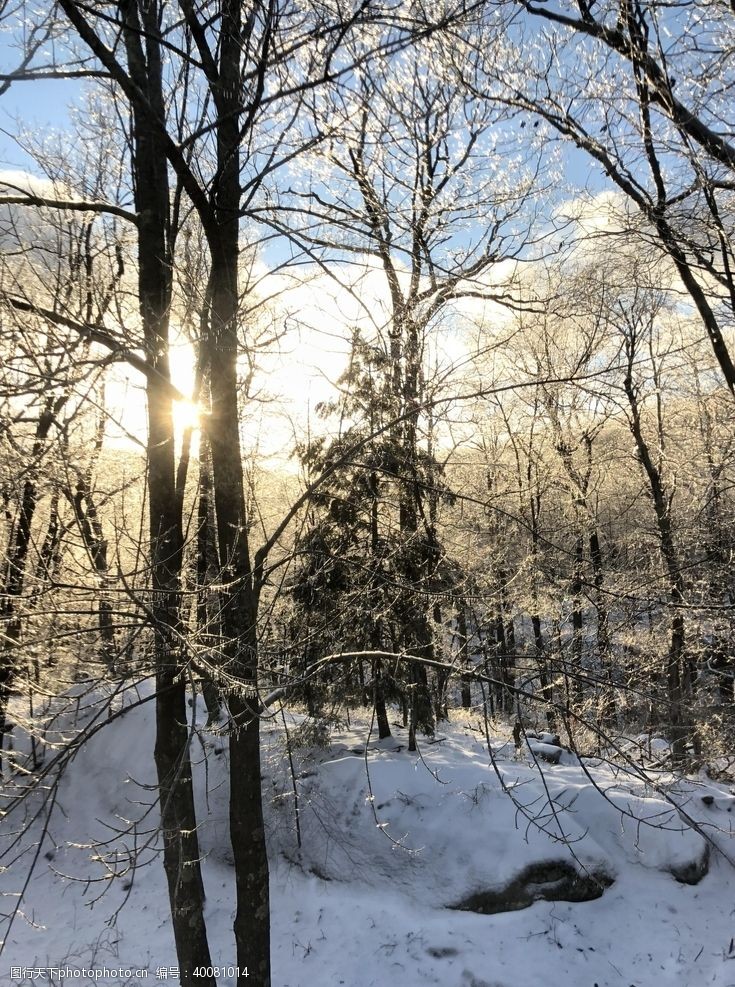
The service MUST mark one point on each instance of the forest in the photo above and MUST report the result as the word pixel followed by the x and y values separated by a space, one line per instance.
pixel 367 464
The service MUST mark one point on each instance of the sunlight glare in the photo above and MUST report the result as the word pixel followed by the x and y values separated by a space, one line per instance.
pixel 186 415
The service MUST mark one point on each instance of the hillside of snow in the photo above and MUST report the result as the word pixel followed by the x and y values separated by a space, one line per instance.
pixel 413 869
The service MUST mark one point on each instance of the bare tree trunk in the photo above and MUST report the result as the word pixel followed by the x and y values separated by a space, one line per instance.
pixel 542 660
pixel 14 570
pixel 547 689
pixel 577 623
pixel 239 610
pixel 239 596
pixel 441 711
pixel 155 250
pixel 606 688
pixel 463 656
pixel 676 657
pixel 208 636
pixel 506 638
pixel 381 713
pixel 90 526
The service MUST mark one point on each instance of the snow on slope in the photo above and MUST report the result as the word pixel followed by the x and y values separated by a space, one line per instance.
pixel 367 899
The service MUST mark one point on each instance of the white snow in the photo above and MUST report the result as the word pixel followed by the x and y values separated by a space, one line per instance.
pixel 391 840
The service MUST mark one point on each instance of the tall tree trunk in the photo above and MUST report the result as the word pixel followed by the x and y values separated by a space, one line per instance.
pixel 577 622
pixel 547 689
pixel 381 713
pixel 239 596
pixel 239 612
pixel 90 527
pixel 462 657
pixel 669 555
pixel 506 637
pixel 441 711
pixel 208 636
pixel 419 637
pixel 181 856
pixel 542 660
pixel 606 688
pixel 14 569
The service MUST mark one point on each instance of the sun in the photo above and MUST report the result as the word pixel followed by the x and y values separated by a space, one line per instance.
pixel 187 414
pixel 182 362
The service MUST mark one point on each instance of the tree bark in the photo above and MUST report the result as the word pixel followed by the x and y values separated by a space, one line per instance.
pixel 677 655
pixel 14 571
pixel 173 766
pixel 239 596
pixel 462 657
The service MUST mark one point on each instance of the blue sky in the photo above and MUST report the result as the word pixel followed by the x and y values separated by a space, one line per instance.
pixel 41 106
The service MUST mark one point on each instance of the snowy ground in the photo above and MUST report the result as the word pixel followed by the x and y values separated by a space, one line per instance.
pixel 390 843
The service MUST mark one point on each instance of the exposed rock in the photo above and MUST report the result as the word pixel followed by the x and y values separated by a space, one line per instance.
pixel 694 871
pixel 550 880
